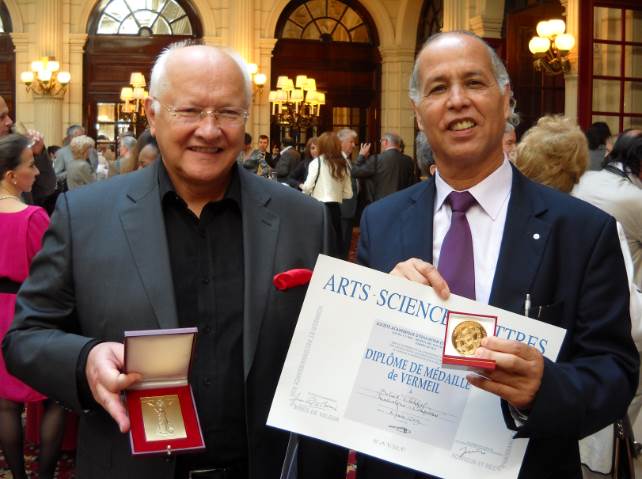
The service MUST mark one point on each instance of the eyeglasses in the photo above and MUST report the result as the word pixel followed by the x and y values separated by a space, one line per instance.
pixel 229 117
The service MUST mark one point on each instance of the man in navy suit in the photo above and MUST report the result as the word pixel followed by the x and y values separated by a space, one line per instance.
pixel 526 240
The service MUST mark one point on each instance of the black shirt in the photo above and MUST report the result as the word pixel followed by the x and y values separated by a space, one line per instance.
pixel 206 256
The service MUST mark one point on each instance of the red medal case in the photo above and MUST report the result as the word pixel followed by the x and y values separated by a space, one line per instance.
pixel 163 357
pixel 451 356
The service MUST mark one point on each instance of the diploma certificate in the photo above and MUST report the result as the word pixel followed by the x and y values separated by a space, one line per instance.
pixel 364 371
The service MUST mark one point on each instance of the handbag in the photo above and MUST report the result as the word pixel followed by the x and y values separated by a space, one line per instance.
pixel 623 450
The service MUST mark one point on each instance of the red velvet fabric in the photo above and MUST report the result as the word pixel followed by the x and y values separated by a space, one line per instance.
pixel 140 445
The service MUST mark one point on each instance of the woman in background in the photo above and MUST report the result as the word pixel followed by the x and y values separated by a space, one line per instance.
pixel 22 229
pixel 328 180
pixel 79 172
pixel 300 172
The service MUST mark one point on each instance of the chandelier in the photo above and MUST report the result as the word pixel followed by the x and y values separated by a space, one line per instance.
pixel 296 104
pixel 133 97
pixel 45 78
pixel 551 47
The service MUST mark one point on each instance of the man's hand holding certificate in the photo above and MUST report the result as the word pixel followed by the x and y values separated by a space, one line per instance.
pixel 365 371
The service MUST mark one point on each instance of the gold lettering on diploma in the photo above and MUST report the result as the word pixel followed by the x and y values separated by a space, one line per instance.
pixel 162 418
pixel 467 337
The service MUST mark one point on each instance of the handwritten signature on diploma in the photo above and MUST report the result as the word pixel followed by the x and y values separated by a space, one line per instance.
pixel 404 401
pixel 314 401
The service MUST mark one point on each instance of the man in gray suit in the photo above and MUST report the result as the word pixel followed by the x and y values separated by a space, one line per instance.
pixel 387 172
pixel 192 240
pixel 64 156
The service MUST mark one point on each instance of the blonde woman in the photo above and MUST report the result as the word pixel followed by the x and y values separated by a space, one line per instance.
pixel 328 179
pixel 79 172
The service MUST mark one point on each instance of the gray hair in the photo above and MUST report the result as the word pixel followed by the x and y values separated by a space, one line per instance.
pixel 73 129
pixel 424 152
pixel 128 142
pixel 79 146
pixel 392 138
pixel 345 133
pixel 159 81
pixel 499 70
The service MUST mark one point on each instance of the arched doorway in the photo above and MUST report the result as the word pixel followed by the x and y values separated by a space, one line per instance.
pixel 7 60
pixel 335 42
pixel 125 36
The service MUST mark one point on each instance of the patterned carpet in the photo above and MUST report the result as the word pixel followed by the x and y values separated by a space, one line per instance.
pixel 65 464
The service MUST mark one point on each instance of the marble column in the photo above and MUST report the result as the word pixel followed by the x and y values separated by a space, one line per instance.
pixel 397 113
pixel 455 15
pixel 261 105
pixel 47 110
pixel 571 88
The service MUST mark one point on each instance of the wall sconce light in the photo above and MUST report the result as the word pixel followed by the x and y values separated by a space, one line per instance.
pixel 45 78
pixel 551 47
pixel 258 79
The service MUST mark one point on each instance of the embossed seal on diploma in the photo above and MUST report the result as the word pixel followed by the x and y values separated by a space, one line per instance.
pixel 467 336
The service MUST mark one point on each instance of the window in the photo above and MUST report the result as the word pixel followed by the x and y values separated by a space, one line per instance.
pixel 617 67
pixel 326 20
pixel 143 17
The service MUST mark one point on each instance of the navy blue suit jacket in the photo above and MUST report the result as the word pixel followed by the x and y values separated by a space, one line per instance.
pixel 567 255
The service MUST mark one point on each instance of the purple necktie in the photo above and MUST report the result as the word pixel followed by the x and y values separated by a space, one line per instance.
pixel 456 261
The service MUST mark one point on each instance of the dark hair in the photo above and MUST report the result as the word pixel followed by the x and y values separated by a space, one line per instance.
pixel 288 141
pixel 597 134
pixel 11 147
pixel 628 151
pixel 330 147
pixel 264 137
pixel 248 139
pixel 307 153
pixel 52 149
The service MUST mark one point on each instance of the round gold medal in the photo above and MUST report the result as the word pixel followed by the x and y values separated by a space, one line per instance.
pixel 467 337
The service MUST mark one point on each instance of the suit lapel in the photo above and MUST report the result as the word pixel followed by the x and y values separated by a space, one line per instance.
pixel 418 218
pixel 142 220
pixel 523 242
pixel 260 232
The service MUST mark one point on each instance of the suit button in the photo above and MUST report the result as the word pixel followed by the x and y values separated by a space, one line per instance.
pixel 206 280
pixel 207 329
pixel 207 381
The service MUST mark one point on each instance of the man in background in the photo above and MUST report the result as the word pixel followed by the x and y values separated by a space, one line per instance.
pixel 386 172
pixel 348 139
pixel 288 161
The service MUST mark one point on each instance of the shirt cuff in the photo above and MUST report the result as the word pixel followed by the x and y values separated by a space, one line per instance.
pixel 86 399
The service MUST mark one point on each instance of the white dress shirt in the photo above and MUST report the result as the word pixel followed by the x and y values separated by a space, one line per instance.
pixel 486 220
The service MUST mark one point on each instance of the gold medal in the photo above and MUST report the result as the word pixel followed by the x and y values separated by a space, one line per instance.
pixel 162 418
pixel 467 337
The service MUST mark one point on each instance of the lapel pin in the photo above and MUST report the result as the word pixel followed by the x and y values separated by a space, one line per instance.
pixel 536 236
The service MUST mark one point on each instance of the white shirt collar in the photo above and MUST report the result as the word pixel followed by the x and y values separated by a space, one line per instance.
pixel 490 193
pixel 285 149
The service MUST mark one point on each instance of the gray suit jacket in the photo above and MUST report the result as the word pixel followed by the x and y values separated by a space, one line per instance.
pixel 100 275
pixel 64 158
